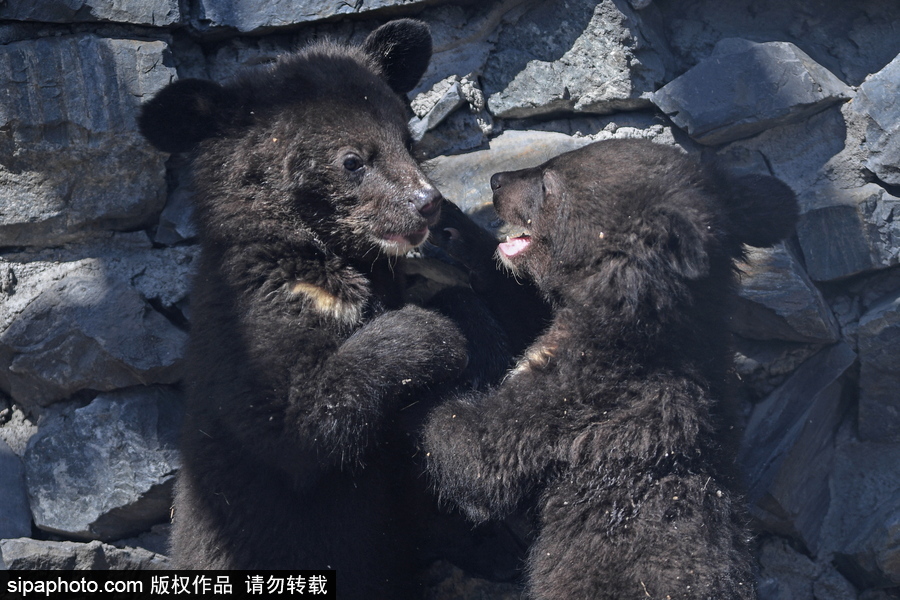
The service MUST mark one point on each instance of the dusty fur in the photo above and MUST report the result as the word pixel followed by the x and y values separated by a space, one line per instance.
pixel 302 353
pixel 614 423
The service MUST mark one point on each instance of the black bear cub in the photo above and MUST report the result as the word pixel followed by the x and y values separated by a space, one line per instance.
pixel 301 351
pixel 612 421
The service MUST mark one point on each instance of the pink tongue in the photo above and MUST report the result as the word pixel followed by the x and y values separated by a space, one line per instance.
pixel 513 246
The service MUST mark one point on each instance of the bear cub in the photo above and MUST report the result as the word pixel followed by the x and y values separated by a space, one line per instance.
pixel 614 421
pixel 302 352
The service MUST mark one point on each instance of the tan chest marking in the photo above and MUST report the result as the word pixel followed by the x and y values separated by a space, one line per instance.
pixel 326 303
pixel 537 357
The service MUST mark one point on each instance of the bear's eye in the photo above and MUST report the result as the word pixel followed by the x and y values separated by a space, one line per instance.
pixel 353 163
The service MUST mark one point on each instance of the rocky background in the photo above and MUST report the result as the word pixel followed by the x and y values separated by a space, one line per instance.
pixel 96 242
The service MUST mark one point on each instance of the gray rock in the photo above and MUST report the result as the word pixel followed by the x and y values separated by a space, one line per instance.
pixel 788 446
pixel 872 558
pixel 426 101
pixel 138 12
pixel 442 129
pixel 877 102
pixel 764 365
pixel 788 575
pixel 628 125
pixel 858 296
pixel 778 301
pixel 861 528
pixel 435 105
pixel 84 318
pixel 176 221
pixel 796 153
pixel 599 57
pixel 851 39
pixel 844 232
pixel 15 517
pixel 879 374
pixel 105 471
pixel 256 15
pixel 156 540
pixel 16 429
pixel 715 102
pixel 462 131
pixel 463 37
pixel 30 555
pixel 69 107
pixel 465 179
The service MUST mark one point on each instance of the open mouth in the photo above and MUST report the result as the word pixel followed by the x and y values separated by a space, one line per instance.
pixel 515 244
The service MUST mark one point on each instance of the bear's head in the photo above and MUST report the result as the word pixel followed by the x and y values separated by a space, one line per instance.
pixel 314 145
pixel 633 223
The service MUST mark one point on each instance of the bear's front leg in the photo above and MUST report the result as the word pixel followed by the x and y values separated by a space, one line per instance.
pixel 342 408
pixel 485 453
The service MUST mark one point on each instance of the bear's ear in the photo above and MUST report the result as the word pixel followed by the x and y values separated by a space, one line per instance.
pixel 681 242
pixel 403 49
pixel 185 113
pixel 762 209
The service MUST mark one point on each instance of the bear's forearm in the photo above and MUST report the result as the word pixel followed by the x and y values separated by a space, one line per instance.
pixel 340 408
pixel 483 467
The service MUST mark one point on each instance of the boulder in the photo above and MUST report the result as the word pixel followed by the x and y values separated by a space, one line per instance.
pixel 97 317
pixel 258 15
pixel 105 471
pixel 786 574
pixel 744 88
pixel 872 557
pixel 69 106
pixel 862 527
pixel 16 429
pixel 788 446
pixel 851 39
pixel 877 103
pixel 15 517
pixel 30 555
pixel 600 58
pixel 763 365
pixel 435 105
pixel 138 12
pixel 799 154
pixel 779 302
pixel 844 232
pixel 176 222
pixel 879 373
pixel 627 125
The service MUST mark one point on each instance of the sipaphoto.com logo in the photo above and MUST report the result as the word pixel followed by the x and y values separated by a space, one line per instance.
pixel 24 586
pixel 167 584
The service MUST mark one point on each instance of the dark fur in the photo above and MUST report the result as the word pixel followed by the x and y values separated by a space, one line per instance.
pixel 613 419
pixel 301 352
pixel 509 303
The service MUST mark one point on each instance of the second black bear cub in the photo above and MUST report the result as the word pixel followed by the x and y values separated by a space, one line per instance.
pixel 612 418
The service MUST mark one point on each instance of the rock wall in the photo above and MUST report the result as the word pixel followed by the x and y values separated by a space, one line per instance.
pixel 96 243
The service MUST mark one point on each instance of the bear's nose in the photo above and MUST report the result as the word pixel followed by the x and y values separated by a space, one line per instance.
pixel 496 181
pixel 427 201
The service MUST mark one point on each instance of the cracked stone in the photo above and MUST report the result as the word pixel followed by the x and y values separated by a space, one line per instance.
pixel 105 471
pixel 716 103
